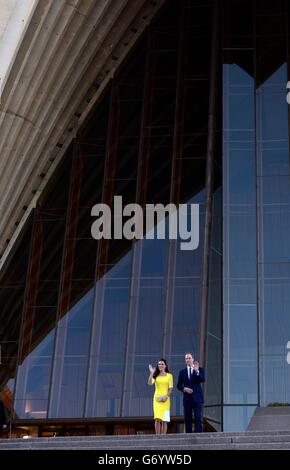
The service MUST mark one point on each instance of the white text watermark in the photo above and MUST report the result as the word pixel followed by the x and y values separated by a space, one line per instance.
pixel 160 222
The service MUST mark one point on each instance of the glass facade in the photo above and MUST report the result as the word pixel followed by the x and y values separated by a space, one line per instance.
pixel 239 209
pixel 255 207
pixel 196 114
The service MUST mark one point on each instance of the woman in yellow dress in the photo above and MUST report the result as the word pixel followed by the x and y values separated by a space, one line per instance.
pixel 163 381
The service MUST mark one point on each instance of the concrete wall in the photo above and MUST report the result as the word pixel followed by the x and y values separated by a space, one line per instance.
pixel 56 58
pixel 14 18
pixel 6 8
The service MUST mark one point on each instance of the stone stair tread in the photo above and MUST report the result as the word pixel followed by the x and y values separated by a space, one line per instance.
pixel 250 440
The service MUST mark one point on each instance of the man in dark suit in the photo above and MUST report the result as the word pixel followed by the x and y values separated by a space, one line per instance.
pixel 189 383
pixel 3 418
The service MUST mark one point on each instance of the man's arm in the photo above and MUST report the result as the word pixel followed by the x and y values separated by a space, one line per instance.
pixel 180 384
pixel 201 376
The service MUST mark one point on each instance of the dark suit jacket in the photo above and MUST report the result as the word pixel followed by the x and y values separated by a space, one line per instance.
pixel 3 418
pixel 194 383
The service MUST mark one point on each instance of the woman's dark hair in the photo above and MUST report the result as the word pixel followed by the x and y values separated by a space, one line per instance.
pixel 157 371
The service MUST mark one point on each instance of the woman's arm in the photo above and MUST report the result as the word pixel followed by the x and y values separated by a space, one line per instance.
pixel 170 387
pixel 150 378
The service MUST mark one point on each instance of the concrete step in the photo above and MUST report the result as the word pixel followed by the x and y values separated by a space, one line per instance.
pixel 185 447
pixel 114 440
pixel 176 442
pixel 156 438
pixel 270 417
pixel 111 444
pixel 215 441
pixel 262 439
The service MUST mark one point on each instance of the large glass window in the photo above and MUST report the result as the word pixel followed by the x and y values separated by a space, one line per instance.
pixel 41 300
pixel 237 418
pixel 274 202
pixel 239 204
pixel 256 204
pixel 76 300
pixel 12 290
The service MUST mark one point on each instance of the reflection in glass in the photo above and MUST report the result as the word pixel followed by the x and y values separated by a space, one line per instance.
pixel 33 378
pixel 213 384
pixel 274 333
pixel 41 297
pixel 237 418
pixel 240 311
pixel 73 329
pixel 241 354
pixel 12 296
pixel 274 219
pixel 109 345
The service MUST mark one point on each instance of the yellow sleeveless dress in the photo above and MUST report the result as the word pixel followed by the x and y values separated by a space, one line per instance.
pixel 162 409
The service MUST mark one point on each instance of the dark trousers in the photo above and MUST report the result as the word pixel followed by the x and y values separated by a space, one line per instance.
pixel 191 406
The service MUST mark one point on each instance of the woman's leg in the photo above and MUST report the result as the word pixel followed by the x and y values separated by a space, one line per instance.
pixel 164 427
pixel 158 426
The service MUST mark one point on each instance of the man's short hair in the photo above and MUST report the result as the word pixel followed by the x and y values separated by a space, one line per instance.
pixel 187 353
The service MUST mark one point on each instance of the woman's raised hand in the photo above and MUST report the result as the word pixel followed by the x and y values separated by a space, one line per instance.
pixel 151 369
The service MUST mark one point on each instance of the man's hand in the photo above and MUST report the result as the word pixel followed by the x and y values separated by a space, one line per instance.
pixel 196 367
pixel 188 390
pixel 4 426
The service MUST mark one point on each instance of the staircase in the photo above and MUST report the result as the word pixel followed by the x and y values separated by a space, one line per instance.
pixel 270 417
pixel 250 440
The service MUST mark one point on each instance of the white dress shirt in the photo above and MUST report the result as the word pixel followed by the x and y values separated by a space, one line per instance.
pixel 189 371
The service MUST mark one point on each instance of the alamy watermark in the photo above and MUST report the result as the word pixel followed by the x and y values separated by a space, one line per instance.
pixel 159 221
